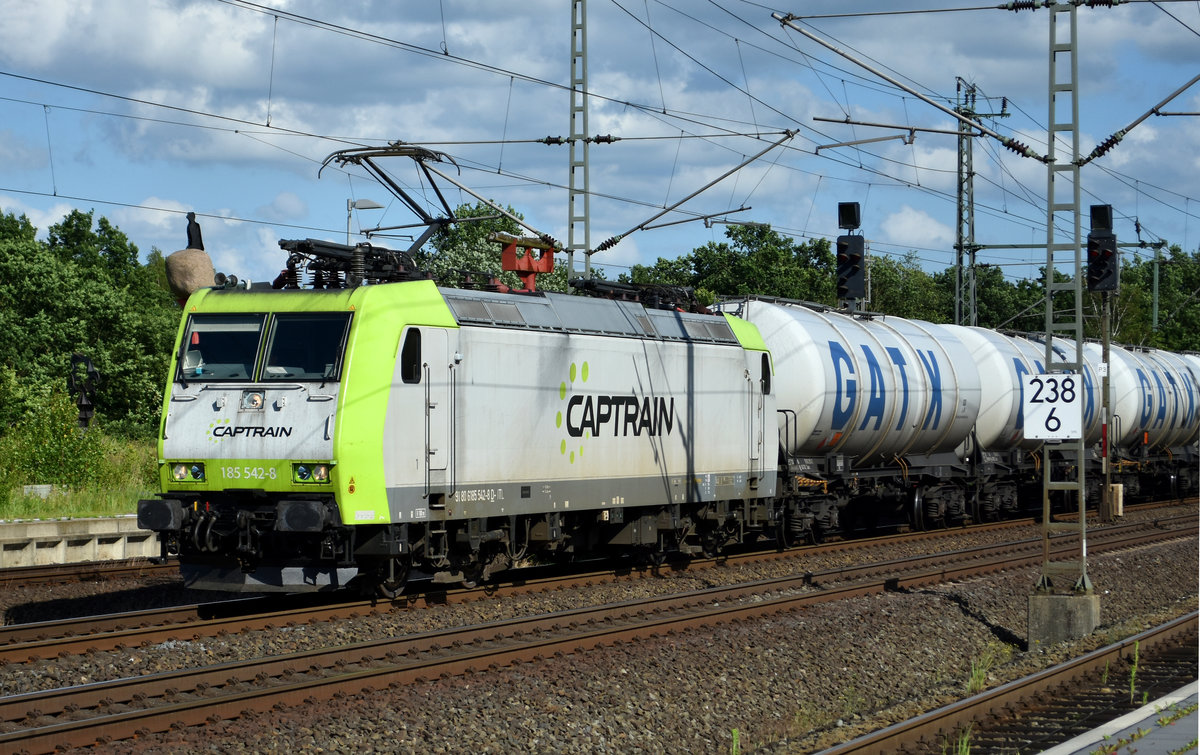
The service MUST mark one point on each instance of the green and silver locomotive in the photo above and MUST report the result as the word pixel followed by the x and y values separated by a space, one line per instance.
pixel 311 437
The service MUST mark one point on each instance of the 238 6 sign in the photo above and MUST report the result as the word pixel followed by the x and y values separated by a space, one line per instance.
pixel 1051 406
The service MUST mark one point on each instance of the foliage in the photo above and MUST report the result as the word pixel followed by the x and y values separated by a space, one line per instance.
pixel 999 303
pixel 1178 305
pixel 46 446
pixel 900 288
pixel 757 260
pixel 463 256
pixel 83 291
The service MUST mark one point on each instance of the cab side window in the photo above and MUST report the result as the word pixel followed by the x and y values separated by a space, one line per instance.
pixel 410 357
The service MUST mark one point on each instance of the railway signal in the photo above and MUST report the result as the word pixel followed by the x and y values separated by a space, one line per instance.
pixel 1103 264
pixel 851 258
pixel 1103 270
pixel 851 268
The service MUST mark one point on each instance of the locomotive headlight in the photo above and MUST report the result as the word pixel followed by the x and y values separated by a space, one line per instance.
pixel 252 401
pixel 188 472
pixel 315 473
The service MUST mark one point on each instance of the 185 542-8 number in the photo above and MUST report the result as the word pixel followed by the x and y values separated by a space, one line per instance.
pixel 249 473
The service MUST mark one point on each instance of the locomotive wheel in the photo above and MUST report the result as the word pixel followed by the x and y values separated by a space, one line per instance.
pixel 711 545
pixel 390 586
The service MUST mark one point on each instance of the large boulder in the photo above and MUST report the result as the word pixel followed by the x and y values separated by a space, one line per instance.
pixel 189 270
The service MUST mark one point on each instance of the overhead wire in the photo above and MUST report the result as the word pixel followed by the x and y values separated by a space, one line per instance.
pixel 694 117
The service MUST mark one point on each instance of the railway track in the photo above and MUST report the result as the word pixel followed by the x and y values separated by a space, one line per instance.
pixel 82 715
pixel 1039 711
pixel 52 638
pixel 140 568
pixel 23 642
pixel 86 571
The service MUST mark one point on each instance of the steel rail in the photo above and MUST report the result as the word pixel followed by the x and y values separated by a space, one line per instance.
pixel 526 582
pixel 25 642
pixel 944 721
pixel 84 571
pixel 371 665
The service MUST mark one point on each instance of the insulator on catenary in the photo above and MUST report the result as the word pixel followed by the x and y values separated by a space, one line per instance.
pixel 554 140
pixel 1022 149
pixel 608 243
pixel 1103 147
pixel 1019 5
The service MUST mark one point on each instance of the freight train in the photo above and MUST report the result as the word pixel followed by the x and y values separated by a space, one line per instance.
pixel 378 427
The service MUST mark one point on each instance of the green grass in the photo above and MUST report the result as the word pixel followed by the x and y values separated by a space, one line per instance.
pixel 959 744
pixel 126 470
pixel 76 503
pixel 993 655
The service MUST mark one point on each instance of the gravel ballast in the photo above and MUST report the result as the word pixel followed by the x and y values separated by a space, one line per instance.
pixel 793 683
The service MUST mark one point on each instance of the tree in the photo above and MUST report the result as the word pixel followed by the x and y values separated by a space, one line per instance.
pixel 462 254
pixel 999 303
pixel 83 291
pixel 13 228
pixel 1178 302
pixel 899 287
pixel 756 260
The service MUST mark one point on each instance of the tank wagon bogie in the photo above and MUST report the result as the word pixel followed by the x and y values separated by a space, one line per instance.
pixel 311 438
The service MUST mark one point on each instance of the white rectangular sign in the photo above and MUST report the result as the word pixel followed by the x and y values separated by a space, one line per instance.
pixel 1051 406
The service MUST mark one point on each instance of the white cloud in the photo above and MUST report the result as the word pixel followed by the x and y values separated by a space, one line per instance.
pixel 916 228
pixel 286 207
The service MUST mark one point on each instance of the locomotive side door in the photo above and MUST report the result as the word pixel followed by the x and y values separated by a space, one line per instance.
pixel 439 408
pixel 757 382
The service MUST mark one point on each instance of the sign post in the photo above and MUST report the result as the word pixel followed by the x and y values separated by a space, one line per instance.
pixel 1052 407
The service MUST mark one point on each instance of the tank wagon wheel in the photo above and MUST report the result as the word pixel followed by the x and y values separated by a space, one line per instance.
pixel 652 556
pixel 918 509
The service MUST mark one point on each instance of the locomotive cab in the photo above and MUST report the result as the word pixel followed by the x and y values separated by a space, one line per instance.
pixel 246 449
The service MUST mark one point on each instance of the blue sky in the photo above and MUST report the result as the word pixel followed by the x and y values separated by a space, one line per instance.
pixel 257 95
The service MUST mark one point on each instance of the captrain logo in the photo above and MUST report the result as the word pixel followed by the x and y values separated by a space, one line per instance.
pixel 582 374
pixel 588 415
pixel 223 429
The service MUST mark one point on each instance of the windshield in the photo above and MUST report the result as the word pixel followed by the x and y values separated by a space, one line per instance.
pixel 298 347
pixel 306 346
pixel 221 347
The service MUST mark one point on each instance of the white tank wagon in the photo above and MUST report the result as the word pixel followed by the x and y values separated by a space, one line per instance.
pixel 886 416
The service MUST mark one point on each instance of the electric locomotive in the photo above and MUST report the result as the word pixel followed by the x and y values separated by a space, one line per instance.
pixel 311 438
